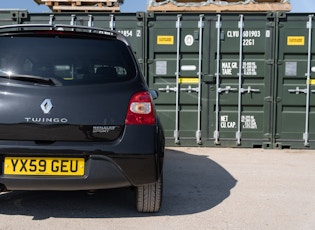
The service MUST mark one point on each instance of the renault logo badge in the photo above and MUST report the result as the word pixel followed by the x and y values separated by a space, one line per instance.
pixel 46 106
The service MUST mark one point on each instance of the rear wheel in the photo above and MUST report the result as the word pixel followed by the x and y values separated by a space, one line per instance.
pixel 149 196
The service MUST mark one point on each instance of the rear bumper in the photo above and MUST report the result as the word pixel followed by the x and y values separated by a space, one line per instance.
pixel 134 160
pixel 100 173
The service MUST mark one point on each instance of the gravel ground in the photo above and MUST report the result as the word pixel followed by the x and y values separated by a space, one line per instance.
pixel 205 188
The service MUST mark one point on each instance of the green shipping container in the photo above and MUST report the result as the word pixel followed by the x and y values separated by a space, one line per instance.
pixel 295 83
pixel 214 75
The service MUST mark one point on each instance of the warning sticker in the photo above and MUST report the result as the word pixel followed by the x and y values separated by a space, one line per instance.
pixel 165 40
pixel 296 41
pixel 190 80
pixel 312 81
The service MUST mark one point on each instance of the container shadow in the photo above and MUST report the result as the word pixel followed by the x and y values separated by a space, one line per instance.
pixel 192 184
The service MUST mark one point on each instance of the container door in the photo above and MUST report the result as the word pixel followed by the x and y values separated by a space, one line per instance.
pixel 175 59
pixel 129 24
pixel 295 85
pixel 241 64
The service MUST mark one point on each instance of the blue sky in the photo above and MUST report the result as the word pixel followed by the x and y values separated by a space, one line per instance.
pixel 134 5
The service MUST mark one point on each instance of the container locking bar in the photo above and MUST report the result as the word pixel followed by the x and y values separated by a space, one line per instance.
pixel 216 134
pixel 198 131
pixel 238 133
pixel 178 27
pixel 308 77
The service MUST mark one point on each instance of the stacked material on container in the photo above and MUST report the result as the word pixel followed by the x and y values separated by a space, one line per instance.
pixel 82 5
pixel 219 6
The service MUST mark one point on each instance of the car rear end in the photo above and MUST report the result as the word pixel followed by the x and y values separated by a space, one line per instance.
pixel 76 113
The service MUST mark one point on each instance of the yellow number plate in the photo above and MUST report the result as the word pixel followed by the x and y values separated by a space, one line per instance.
pixel 44 166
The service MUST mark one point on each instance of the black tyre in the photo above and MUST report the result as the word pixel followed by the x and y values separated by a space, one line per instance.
pixel 149 196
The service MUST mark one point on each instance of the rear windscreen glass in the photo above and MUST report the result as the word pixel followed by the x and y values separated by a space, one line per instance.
pixel 70 61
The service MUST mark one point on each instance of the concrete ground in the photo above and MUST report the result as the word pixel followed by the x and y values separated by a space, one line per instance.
pixel 205 188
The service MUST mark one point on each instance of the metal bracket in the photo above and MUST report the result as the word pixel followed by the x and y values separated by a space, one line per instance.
pixel 112 23
pixel 73 20
pixel 90 23
pixel 51 19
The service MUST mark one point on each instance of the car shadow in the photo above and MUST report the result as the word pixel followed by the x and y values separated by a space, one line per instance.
pixel 192 184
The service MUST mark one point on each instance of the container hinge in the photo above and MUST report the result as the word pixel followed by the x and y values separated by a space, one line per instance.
pixel 190 89
pixel 227 89
pixel 168 89
pixel 249 90
pixel 268 99
pixel 269 61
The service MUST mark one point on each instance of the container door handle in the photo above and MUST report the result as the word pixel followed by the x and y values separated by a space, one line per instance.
pixel 297 90
pixel 168 89
pixel 227 89
pixel 249 90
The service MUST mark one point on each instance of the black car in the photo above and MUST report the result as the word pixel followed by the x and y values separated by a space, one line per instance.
pixel 76 113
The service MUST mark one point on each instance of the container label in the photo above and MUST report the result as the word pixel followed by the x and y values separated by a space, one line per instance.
pixel 296 40
pixel 248 36
pixel 188 80
pixel 248 122
pixel 227 67
pixel 165 40
pixel 189 40
pixel 226 124
pixel 249 68
pixel 161 67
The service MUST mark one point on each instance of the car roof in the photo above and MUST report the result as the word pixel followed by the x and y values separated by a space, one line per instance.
pixel 27 28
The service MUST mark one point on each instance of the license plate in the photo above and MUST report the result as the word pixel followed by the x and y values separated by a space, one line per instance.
pixel 43 166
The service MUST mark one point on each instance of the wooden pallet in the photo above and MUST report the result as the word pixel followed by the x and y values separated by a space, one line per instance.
pixel 227 1
pixel 82 5
pixel 259 6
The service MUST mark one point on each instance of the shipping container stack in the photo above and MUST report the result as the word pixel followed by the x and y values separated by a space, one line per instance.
pixel 82 5
pixel 218 6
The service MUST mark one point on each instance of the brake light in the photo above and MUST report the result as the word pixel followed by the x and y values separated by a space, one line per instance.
pixel 140 110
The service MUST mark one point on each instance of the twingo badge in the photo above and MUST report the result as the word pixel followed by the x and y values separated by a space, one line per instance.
pixel 165 40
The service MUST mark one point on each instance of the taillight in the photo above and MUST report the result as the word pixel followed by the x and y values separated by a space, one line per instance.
pixel 140 110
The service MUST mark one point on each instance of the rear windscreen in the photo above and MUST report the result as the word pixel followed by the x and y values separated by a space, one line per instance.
pixel 70 61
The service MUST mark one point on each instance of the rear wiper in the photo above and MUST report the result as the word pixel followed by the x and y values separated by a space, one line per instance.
pixel 31 78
